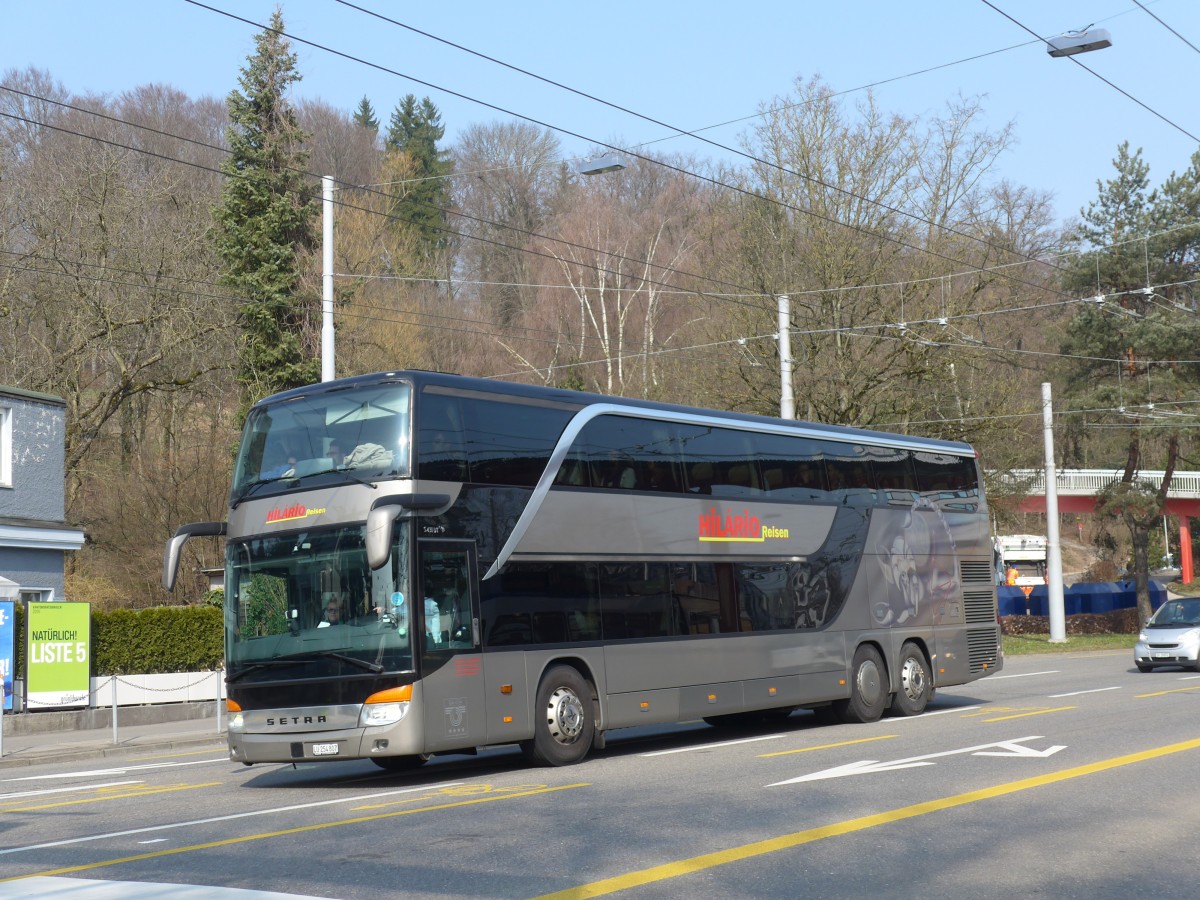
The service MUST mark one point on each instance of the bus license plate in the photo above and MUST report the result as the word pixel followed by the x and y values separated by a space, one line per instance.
pixel 324 749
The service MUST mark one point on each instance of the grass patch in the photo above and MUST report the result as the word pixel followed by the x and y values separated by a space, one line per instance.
pixel 1025 644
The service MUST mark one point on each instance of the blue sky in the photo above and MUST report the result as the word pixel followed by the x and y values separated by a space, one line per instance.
pixel 690 65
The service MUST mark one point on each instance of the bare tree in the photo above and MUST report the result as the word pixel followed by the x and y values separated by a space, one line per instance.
pixel 885 233
pixel 611 301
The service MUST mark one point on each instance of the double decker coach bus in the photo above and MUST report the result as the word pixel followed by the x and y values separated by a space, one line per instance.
pixel 495 563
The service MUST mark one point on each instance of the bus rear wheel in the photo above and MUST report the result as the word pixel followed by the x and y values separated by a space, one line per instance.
pixel 913 695
pixel 868 688
pixel 563 720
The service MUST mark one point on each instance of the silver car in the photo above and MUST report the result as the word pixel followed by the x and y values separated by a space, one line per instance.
pixel 1171 637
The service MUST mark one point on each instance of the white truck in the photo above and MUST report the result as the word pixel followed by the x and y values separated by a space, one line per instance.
pixel 1024 552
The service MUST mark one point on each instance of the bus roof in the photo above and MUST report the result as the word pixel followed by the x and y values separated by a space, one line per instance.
pixel 419 378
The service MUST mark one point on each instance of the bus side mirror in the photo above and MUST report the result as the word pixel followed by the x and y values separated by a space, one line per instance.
pixel 379 533
pixel 384 512
pixel 175 547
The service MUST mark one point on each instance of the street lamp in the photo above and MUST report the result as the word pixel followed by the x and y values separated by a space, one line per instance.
pixel 600 165
pixel 1083 41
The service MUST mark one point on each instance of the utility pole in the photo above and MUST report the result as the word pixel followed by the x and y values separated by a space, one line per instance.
pixel 787 402
pixel 327 366
pixel 1054 580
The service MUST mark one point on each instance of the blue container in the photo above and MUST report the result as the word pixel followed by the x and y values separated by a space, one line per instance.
pixel 1011 600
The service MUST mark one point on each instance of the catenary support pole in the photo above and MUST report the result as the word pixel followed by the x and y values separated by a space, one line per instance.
pixel 787 402
pixel 327 366
pixel 1054 580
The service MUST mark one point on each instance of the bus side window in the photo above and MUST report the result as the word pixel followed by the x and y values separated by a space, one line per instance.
pixel 700 478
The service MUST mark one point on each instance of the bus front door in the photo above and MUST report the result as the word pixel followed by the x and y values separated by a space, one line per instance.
pixel 451 669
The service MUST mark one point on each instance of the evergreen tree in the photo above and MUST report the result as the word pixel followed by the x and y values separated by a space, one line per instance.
pixel 266 221
pixel 365 115
pixel 414 129
pixel 1127 347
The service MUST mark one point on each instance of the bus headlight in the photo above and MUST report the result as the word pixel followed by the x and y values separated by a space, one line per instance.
pixel 386 707
pixel 377 714
pixel 236 722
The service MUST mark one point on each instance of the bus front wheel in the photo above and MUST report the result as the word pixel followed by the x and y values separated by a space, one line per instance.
pixel 915 683
pixel 563 721
pixel 868 688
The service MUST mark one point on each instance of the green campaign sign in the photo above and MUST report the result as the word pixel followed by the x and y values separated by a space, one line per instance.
pixel 58 654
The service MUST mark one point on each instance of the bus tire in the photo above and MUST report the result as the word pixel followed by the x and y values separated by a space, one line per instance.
pixel 401 763
pixel 563 720
pixel 914 682
pixel 868 688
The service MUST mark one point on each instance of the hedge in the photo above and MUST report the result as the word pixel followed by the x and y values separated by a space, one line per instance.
pixel 148 641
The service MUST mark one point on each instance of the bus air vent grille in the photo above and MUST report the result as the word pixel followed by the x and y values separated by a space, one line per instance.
pixel 980 607
pixel 982 648
pixel 976 572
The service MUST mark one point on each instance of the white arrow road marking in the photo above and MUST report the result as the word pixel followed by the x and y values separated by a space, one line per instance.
pixel 1012 748
pixel 869 766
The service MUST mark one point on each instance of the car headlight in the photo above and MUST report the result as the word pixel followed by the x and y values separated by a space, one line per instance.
pixel 376 714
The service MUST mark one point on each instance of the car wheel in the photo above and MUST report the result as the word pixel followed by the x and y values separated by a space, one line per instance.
pixel 1142 667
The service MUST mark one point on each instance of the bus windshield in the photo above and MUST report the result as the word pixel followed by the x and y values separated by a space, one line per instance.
pixel 364 432
pixel 306 604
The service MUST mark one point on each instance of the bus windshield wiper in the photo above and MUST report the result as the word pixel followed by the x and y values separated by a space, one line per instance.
pixel 295 479
pixel 254 486
pixel 374 668
pixel 261 664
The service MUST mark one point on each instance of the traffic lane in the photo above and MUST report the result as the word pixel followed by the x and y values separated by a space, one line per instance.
pixel 365 842
pixel 1088 831
pixel 639 797
pixel 350 831
pixel 356 859
pixel 70 799
pixel 729 757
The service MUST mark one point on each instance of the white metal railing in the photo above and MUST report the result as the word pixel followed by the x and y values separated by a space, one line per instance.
pixel 1089 482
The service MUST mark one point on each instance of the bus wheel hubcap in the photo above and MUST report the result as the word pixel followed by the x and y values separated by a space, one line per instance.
pixel 869 683
pixel 912 679
pixel 564 716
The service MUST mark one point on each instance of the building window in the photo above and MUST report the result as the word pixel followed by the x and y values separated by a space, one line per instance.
pixel 37 595
pixel 6 447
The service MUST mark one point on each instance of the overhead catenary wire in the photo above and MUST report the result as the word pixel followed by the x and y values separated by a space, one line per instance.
pixel 347 205
pixel 817 291
pixel 708 179
pixel 679 131
pixel 1144 9
pixel 1095 74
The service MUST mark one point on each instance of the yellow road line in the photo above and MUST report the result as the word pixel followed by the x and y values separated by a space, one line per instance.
pixel 799 838
pixel 122 796
pixel 300 829
pixel 882 737
pixel 1036 712
pixel 1162 693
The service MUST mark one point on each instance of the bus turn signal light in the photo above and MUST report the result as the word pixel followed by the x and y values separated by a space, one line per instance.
pixel 402 694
